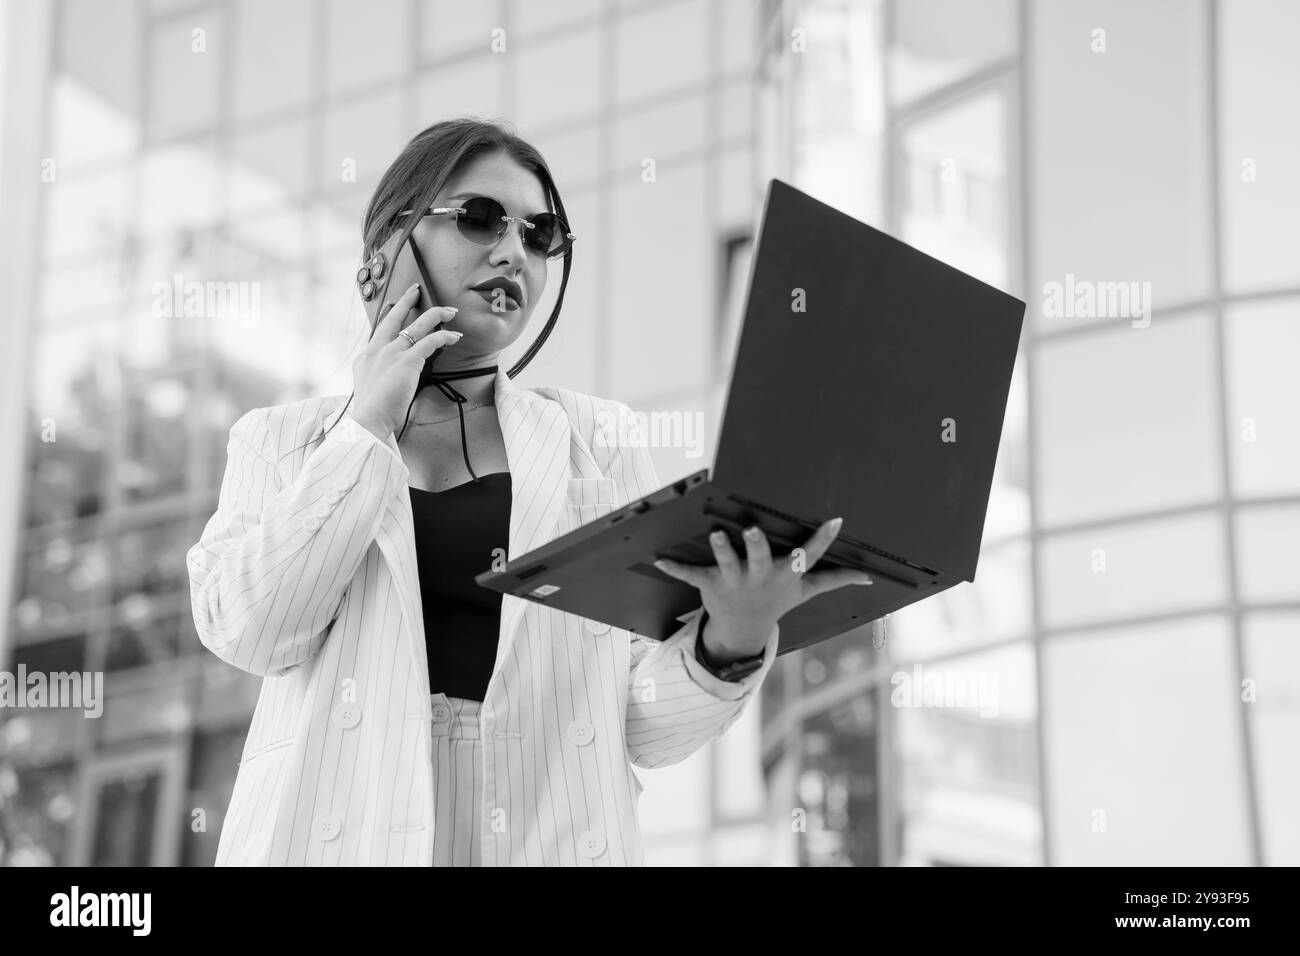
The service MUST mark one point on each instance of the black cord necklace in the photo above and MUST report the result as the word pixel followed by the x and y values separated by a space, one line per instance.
pixel 439 380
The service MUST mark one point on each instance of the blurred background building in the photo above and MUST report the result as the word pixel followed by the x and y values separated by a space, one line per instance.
pixel 1136 612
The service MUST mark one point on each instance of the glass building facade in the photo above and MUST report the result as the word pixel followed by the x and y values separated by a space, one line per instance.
pixel 1129 648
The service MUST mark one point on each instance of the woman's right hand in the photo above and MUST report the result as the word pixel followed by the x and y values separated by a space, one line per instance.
pixel 386 372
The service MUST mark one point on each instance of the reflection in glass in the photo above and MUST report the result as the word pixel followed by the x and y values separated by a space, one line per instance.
pixel 150 561
pixel 952 172
pixel 837 786
pixel 1273 666
pixel 1263 344
pixel 63 575
pixel 124 821
pixel 38 809
pixel 965 734
pixel 936 42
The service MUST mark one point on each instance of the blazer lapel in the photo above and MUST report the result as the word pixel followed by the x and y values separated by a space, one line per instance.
pixel 537 437
pixel 396 540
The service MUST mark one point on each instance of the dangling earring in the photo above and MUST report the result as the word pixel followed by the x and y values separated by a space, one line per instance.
pixel 372 270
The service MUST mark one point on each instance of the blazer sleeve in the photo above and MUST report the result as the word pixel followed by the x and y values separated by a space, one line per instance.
pixel 268 575
pixel 674 705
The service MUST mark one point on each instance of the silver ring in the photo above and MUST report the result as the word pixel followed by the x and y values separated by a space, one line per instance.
pixel 408 337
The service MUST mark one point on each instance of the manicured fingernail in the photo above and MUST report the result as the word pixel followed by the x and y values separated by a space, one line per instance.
pixel 450 308
pixel 659 565
pixel 751 532
pixel 835 523
pixel 717 537
pixel 413 288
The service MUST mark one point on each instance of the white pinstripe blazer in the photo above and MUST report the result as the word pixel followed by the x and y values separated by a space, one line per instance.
pixel 307 575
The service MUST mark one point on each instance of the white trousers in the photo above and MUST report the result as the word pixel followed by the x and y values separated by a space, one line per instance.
pixel 457 781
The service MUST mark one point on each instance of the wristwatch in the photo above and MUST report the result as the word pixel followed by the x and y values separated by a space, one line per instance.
pixel 733 671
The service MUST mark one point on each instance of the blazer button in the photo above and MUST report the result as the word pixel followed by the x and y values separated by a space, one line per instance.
pixel 347 716
pixel 596 627
pixel 326 826
pixel 591 844
pixel 312 524
pixel 581 732
pixel 441 712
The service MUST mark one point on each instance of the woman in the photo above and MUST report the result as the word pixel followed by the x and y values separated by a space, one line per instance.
pixel 408 716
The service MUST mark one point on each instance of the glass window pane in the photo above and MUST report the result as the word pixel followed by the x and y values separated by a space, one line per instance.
pixel 98 85
pixel 185 72
pixel 453 26
pixel 994 606
pixel 64 575
pixel 474 87
pixel 654 349
pixel 1259 150
pixel 144 637
pixel 738 770
pixel 645 67
pixel 1128 570
pixel 150 563
pixel 269 167
pixel 966 742
pixel 56 655
pixel 1263 344
pixel 179 189
pixel 71 391
pixel 838 786
pixel 40 814
pixel 536 17
pixel 1266 554
pixel 560 80
pixel 838 110
pixel 661 133
pixel 953 170
pixel 211 782
pixel 842 657
pixel 88 214
pixel 87 128
pixel 741 25
pixel 361 159
pixel 368 43
pixel 155 459
pixel 124 819
pixel 573 155
pixel 1126 421
pixel 1143 739
pixel 1273 664
pixel 272 56
pixel 938 41
pixel 1093 146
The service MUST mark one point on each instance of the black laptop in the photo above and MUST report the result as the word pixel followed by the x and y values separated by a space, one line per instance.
pixel 882 401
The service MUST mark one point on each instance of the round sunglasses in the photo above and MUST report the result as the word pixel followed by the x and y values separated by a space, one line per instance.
pixel 483 220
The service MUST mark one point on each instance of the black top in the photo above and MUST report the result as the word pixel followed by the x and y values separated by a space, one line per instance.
pixel 456 532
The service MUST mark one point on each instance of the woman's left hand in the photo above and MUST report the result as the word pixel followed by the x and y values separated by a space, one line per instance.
pixel 745 599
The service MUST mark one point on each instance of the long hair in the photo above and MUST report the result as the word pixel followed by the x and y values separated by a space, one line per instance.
pixel 418 174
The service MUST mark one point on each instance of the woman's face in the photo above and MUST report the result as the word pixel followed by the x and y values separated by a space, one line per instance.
pixel 489 322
